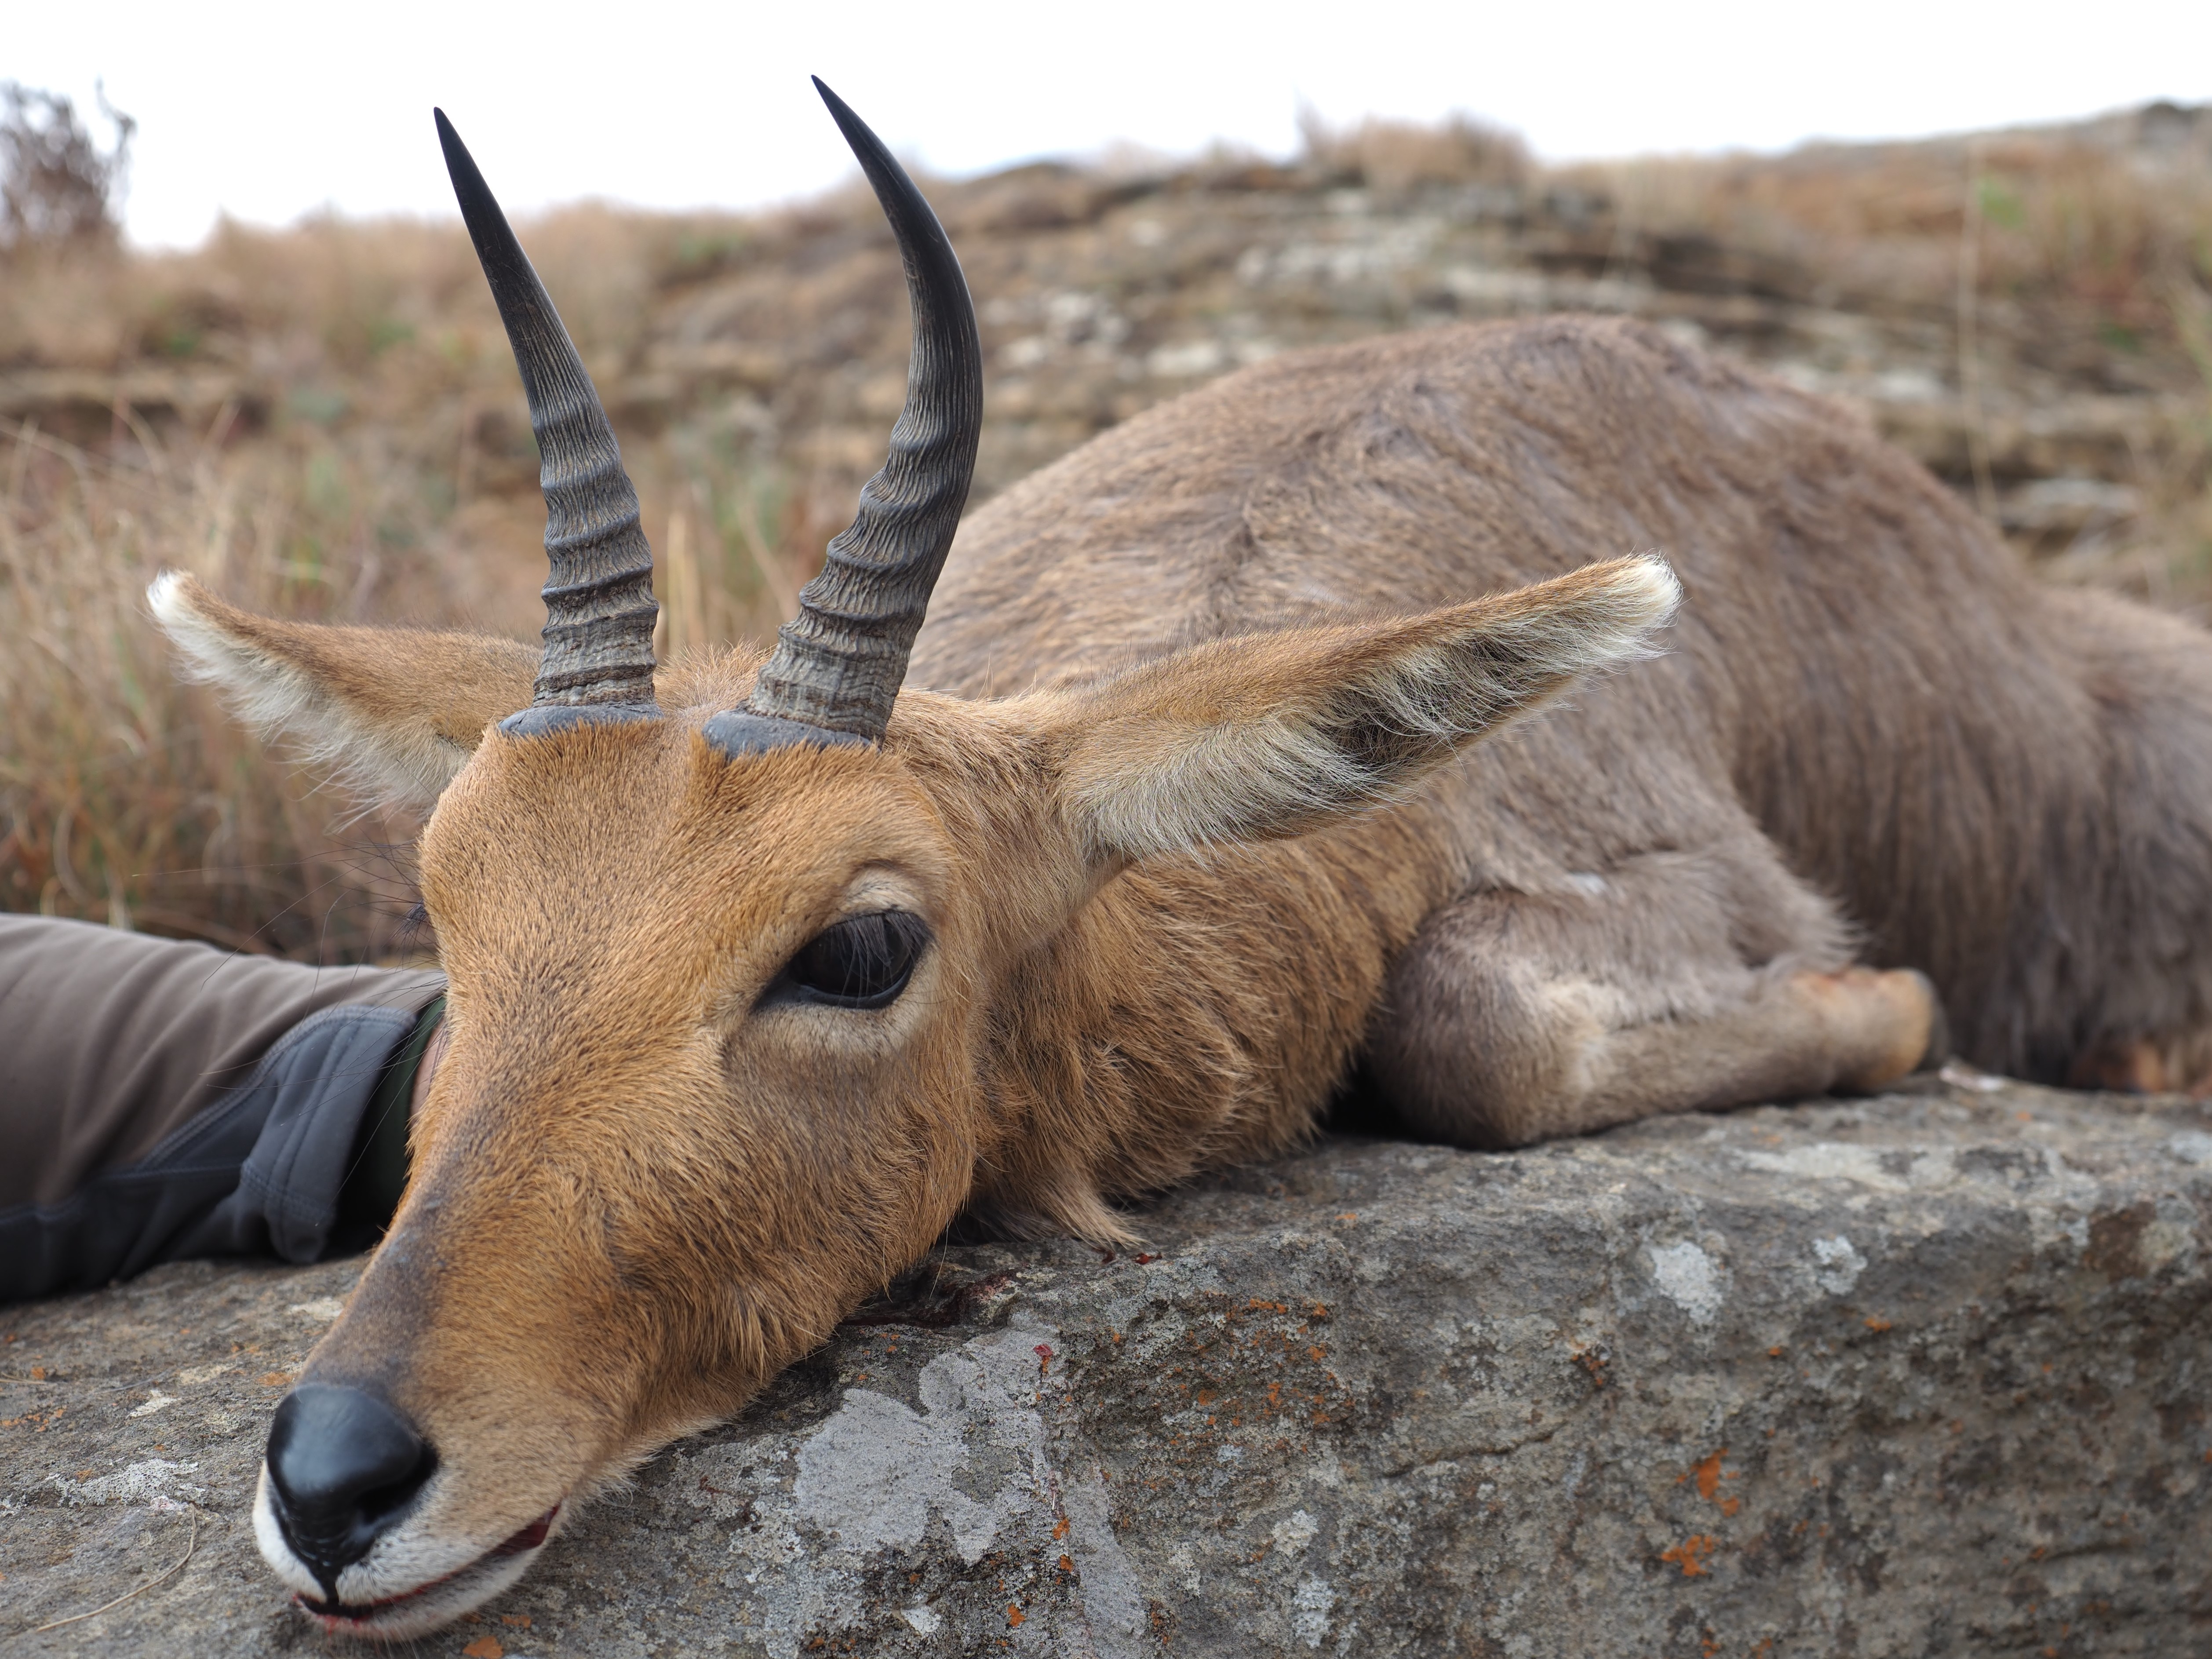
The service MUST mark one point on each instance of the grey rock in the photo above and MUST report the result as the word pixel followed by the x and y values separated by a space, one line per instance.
pixel 1925 1374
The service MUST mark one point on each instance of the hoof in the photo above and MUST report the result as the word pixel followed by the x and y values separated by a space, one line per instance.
pixel 1887 1024
pixel 1938 1052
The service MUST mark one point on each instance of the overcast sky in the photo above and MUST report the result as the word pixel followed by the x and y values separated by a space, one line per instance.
pixel 268 111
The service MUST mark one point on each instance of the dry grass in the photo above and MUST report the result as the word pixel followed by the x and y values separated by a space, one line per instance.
pixel 1398 156
pixel 2091 262
pixel 129 799
pixel 324 423
pixel 366 457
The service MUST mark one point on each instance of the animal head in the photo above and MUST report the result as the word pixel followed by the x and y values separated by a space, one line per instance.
pixel 731 949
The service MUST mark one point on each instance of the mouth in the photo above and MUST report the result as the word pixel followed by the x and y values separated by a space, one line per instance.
pixel 432 1604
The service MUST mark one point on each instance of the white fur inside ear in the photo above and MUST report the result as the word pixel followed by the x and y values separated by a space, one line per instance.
pixel 404 763
pixel 1167 787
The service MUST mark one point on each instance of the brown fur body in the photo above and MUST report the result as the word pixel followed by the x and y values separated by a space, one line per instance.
pixel 1191 838
pixel 1873 737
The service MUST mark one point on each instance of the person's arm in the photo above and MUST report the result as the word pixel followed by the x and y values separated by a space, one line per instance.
pixel 161 1100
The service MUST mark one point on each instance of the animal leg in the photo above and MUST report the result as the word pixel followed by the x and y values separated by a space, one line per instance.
pixel 1669 988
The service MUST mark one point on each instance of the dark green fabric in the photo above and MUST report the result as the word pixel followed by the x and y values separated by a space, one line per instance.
pixel 378 1173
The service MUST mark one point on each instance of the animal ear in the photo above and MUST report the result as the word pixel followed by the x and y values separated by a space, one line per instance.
pixel 397 712
pixel 1242 739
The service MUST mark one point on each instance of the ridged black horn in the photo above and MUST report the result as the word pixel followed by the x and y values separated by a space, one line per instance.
pixel 837 665
pixel 599 609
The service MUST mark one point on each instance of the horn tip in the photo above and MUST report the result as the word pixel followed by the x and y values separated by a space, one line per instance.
pixel 842 112
pixel 478 205
pixel 458 162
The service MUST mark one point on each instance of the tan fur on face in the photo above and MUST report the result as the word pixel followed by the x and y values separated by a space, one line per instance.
pixel 619 1140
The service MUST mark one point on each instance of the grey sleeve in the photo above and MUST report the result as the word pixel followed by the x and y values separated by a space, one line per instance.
pixel 161 1100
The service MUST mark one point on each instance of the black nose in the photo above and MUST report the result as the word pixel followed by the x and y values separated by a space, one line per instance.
pixel 344 1466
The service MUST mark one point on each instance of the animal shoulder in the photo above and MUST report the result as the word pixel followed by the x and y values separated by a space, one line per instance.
pixel 1380 477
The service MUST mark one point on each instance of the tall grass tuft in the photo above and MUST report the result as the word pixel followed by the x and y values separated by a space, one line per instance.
pixel 321 423
pixel 125 796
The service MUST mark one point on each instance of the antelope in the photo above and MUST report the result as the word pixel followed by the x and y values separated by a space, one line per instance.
pixel 768 968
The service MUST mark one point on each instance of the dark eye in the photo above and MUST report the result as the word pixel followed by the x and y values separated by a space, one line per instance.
pixel 864 962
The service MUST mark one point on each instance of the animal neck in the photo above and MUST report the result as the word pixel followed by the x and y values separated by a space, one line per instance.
pixel 1199 1011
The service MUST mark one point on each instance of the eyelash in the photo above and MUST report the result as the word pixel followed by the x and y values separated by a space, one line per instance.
pixel 860 963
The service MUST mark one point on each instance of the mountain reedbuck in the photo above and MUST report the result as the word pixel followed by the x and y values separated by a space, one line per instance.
pixel 767 969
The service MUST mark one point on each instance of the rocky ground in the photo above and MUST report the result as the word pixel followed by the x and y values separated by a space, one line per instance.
pixel 1914 1376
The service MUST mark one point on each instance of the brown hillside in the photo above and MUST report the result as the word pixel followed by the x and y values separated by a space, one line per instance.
pixel 325 422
